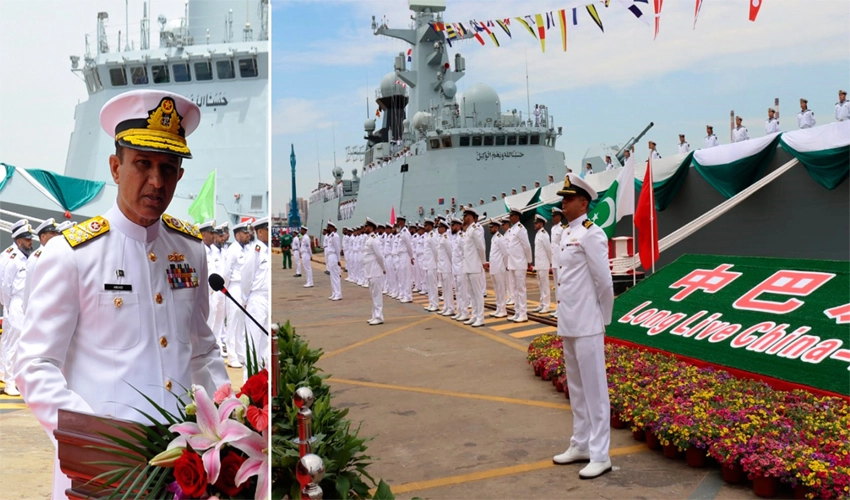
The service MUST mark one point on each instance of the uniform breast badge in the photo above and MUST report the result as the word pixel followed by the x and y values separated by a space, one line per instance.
pixel 182 276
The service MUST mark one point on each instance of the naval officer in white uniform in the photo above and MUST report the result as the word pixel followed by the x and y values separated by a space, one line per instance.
pixel 256 277
pixel 558 226
pixel 234 261
pixel 12 291
pixel 806 117
pixel 121 297
pixel 498 269
pixel 46 232
pixel 771 125
pixel 542 263
pixel 374 271
pixel 333 249
pixel 473 265
pixel 215 264
pixel 586 301
pixel 306 250
pixel 4 257
pixel 519 255
pixel 739 133
pixel 710 138
pixel 842 107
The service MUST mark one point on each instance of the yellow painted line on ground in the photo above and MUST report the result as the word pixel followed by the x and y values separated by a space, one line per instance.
pixel 500 472
pixel 507 326
pixel 484 333
pixel 464 395
pixel 358 320
pixel 536 331
pixel 12 406
pixel 376 337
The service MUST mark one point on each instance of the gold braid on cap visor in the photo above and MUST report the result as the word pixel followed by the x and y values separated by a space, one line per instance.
pixel 153 139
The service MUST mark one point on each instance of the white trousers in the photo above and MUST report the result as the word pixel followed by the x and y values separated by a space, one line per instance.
pixel 448 294
pixel 3 349
pixel 404 277
pixel 431 288
pixel 483 280
pixel 520 293
pixel 11 336
pixel 336 271
pixel 375 286
pixel 258 307
pixel 390 282
pixel 235 338
pixel 545 288
pixel 216 318
pixel 499 287
pixel 510 286
pixel 584 361
pixel 308 269
pixel 476 295
pixel 462 297
pixel 296 256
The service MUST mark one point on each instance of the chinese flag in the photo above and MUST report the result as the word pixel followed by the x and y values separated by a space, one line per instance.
pixel 646 222
pixel 755 5
pixel 392 215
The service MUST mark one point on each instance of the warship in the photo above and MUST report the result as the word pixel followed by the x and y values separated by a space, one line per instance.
pixel 435 151
pixel 217 55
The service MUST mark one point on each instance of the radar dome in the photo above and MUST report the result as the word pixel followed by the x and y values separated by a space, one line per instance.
pixel 369 125
pixel 337 173
pixel 481 102
pixel 389 87
pixel 449 89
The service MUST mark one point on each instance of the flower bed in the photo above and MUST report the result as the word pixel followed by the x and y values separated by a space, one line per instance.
pixel 799 438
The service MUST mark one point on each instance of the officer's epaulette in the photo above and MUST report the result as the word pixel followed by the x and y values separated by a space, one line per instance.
pixel 565 225
pixel 37 253
pixel 373 235
pixel 12 257
pixel 257 248
pixel 587 223
pixel 181 226
pixel 86 231
pixel 9 250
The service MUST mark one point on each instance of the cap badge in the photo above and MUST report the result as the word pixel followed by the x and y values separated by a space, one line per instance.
pixel 165 117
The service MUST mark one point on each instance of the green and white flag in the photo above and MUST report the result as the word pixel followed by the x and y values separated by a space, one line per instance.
pixel 619 200
pixel 203 208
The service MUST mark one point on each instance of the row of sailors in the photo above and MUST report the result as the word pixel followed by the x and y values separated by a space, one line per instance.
pixel 383 163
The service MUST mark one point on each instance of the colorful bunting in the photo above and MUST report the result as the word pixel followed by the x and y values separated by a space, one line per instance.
pixel 755 5
pixel 487 30
pixel 697 7
pixel 591 9
pixel 504 24
pixel 562 16
pixel 635 10
pixel 525 23
pixel 541 31
pixel 575 16
pixel 657 5
pixel 409 53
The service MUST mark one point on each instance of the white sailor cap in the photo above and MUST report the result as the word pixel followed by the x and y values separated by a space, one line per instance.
pixel 330 223
pixel 401 217
pixel 540 218
pixel 47 226
pixel 208 226
pixel 455 220
pixel 242 226
pixel 262 222
pixel 495 222
pixel 515 211
pixel 470 210
pixel 151 120
pixel 575 185
pixel 428 221
pixel 24 231
pixel 65 225
pixel 225 226
pixel 19 224
pixel 557 210
pixel 444 223
pixel 370 222
pixel 305 228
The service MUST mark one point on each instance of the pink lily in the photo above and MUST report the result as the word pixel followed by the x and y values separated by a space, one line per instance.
pixel 213 430
pixel 257 449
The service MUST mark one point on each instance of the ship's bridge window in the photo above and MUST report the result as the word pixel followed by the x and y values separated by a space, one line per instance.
pixel 118 77
pixel 93 81
pixel 535 139
pixel 248 68
pixel 160 73
pixel 256 202
pixel 476 140
pixel 464 141
pixel 447 142
pixel 203 71
pixel 523 140
pixel 500 140
pixel 488 140
pixel 511 140
pixel 435 143
pixel 181 72
pixel 224 69
pixel 139 75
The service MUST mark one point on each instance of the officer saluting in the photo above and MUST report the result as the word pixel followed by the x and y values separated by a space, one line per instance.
pixel 121 297
pixel 586 300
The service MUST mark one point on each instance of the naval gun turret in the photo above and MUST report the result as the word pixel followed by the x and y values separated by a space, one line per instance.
pixel 631 142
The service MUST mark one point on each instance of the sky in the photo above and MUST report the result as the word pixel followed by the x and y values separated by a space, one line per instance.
pixel 605 89
pixel 38 91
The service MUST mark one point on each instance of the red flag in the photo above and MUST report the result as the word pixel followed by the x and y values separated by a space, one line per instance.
pixel 646 222
pixel 755 5
pixel 392 215
pixel 697 7
pixel 657 5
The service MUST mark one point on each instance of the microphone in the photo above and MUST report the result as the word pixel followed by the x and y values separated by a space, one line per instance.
pixel 217 284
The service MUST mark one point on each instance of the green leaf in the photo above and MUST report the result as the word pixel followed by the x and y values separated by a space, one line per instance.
pixel 383 492
pixel 342 487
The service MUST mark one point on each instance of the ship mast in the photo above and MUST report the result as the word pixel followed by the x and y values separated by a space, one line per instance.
pixel 294 218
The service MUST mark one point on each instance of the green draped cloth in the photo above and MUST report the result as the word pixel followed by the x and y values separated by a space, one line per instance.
pixel 829 167
pixel 10 170
pixel 72 193
pixel 731 178
pixel 667 189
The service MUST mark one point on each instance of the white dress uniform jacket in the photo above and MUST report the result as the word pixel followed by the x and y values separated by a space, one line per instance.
pixel 255 289
pixel 740 134
pixel 14 287
pixel 710 141
pixel 542 251
pixel 842 111
pixel 684 147
pixel 806 119
pixel 373 259
pixel 771 126
pixel 125 309
pixel 473 249
pixel 655 155
pixel 519 249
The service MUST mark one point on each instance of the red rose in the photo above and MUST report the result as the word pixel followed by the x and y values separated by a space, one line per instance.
pixel 257 388
pixel 230 465
pixel 190 475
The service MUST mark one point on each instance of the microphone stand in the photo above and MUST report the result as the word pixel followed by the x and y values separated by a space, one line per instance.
pixel 224 290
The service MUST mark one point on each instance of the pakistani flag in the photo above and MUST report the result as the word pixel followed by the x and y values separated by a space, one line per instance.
pixel 203 208
pixel 619 200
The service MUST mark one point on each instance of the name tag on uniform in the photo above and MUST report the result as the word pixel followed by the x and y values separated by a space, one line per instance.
pixel 182 276
pixel 118 287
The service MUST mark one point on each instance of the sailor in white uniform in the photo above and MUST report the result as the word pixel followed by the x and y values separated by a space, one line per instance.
pixel 462 296
pixel 306 255
pixel 215 265
pixel 710 138
pixel 405 261
pixel 333 256
pixel 13 291
pixel 133 271
pixel 389 261
pixel 739 133
pixel 373 266
pixel 806 117
pixel 46 232
pixel 498 269
pixel 296 253
pixel 542 263
pixel 256 277
pixel 444 267
pixel 771 125
pixel 842 107
pixel 510 283
pixel 4 257
pixel 430 258
pixel 473 264
pixel 653 153
pixel 234 261
pixel 558 226
pixel 608 164
pixel 519 256
pixel 683 146
pixel 586 300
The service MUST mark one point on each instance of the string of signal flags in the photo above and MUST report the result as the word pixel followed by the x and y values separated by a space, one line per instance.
pixel 538 25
